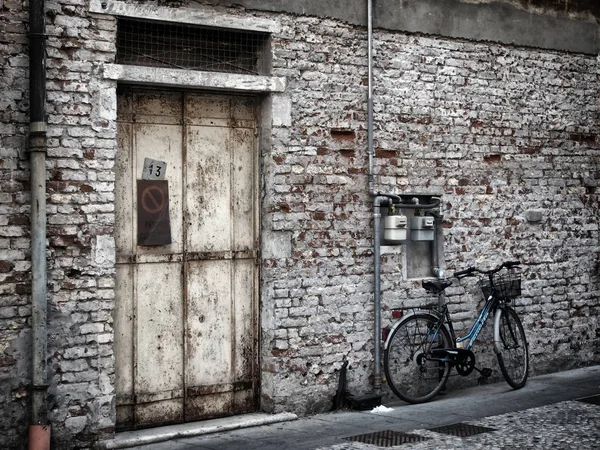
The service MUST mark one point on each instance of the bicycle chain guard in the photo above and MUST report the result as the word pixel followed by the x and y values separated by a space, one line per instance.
pixel 465 362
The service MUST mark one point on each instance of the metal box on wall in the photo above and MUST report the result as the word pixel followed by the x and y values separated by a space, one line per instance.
pixel 395 229
pixel 422 228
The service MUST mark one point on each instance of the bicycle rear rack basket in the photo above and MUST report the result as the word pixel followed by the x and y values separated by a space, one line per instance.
pixel 506 286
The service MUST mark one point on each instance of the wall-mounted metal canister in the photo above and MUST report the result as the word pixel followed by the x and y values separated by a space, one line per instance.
pixel 395 229
pixel 422 228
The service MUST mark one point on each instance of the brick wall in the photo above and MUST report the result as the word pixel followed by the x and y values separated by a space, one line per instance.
pixel 15 283
pixel 508 137
pixel 80 186
pixel 81 153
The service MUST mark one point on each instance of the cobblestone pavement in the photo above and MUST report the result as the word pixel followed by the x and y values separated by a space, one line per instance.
pixel 572 425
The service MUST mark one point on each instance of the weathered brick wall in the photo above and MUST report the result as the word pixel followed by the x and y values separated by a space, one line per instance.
pixel 505 135
pixel 509 137
pixel 80 186
pixel 15 283
pixel 316 301
pixel 81 153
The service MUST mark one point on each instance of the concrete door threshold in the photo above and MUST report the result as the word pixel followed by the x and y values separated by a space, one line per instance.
pixel 160 434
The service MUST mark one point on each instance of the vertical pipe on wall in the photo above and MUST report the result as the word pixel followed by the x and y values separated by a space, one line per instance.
pixel 377 202
pixel 39 430
pixel 370 96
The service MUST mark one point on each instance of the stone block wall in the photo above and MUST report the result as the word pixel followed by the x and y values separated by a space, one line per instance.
pixel 506 135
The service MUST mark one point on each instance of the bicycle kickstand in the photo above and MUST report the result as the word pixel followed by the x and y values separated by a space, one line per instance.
pixel 485 373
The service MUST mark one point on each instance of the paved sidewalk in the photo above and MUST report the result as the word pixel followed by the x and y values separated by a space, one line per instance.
pixel 545 414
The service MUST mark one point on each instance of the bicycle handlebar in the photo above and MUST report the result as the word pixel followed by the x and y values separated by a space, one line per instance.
pixel 464 273
pixel 472 270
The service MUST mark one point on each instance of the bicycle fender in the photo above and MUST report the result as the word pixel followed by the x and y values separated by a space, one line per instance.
pixel 420 312
pixel 497 341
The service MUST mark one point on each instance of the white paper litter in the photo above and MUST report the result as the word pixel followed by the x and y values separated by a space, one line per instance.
pixel 381 409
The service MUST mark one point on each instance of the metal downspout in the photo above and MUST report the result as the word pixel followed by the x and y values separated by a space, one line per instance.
pixel 377 203
pixel 371 151
pixel 39 429
pixel 376 209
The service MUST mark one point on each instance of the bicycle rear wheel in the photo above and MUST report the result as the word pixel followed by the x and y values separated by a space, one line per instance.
pixel 513 356
pixel 410 374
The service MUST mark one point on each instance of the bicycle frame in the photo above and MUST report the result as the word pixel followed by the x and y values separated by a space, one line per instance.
pixel 467 341
pixel 473 333
pixel 443 315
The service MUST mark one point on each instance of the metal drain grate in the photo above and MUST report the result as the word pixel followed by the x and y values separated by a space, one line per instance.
pixel 386 438
pixel 594 399
pixel 461 430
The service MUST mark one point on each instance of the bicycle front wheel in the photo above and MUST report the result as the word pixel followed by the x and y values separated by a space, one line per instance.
pixel 511 347
pixel 410 373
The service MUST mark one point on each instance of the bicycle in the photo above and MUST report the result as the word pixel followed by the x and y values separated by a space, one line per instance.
pixel 420 352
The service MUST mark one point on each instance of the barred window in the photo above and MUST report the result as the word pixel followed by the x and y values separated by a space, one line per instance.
pixel 184 46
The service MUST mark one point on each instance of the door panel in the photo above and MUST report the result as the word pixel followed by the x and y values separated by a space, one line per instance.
pixel 209 301
pixel 124 180
pixel 208 189
pixel 244 282
pixel 159 343
pixel 123 347
pixel 243 197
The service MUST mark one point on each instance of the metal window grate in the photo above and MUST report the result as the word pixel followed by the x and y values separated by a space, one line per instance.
pixel 386 438
pixel 462 430
pixel 183 46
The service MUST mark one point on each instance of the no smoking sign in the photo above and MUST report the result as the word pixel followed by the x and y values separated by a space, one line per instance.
pixel 154 199
pixel 153 212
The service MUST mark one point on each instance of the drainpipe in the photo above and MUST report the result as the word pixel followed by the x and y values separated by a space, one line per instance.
pixel 378 201
pixel 370 96
pixel 39 429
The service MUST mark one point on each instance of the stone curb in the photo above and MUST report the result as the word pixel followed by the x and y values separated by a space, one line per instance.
pixel 161 434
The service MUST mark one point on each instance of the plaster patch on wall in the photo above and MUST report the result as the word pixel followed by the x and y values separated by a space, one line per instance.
pixel 105 98
pixel 534 216
pixel 277 244
pixel 104 251
pixel 282 111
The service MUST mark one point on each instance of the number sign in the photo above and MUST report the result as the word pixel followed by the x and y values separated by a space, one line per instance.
pixel 154 169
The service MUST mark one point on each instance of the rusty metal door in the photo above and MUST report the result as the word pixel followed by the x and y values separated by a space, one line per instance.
pixel 186 325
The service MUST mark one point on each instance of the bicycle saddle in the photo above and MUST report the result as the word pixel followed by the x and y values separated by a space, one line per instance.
pixel 435 286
